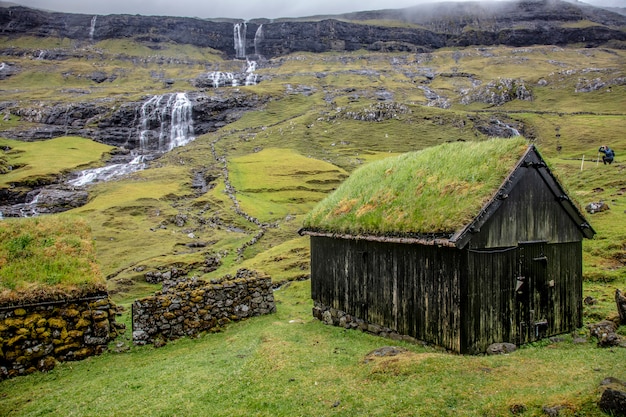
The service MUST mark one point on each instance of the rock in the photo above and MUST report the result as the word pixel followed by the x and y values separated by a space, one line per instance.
pixel 98 77
pixel 552 411
pixel 597 207
pixel 613 399
pixel 620 300
pixel 499 92
pixel 590 301
pixel 501 348
pixel 387 351
pixel 604 331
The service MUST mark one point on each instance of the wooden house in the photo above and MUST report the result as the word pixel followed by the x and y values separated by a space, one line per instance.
pixel 460 245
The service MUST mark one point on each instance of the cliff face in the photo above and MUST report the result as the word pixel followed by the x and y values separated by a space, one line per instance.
pixel 427 27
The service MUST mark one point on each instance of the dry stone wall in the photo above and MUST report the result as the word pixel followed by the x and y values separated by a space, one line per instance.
pixel 188 307
pixel 33 337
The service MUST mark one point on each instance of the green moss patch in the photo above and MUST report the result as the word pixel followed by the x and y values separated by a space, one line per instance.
pixel 47 258
pixel 436 190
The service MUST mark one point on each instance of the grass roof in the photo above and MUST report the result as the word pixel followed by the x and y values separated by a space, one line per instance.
pixel 437 190
pixel 47 258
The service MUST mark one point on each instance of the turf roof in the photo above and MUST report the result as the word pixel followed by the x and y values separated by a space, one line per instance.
pixel 47 258
pixel 437 190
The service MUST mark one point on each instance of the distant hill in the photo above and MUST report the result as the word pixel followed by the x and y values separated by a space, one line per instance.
pixel 422 28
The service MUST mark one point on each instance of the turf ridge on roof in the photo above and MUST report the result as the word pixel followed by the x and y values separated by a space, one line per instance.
pixel 47 258
pixel 433 191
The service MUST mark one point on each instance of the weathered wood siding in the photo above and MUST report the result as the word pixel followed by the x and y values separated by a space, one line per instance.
pixel 488 299
pixel 530 212
pixel 548 301
pixel 412 289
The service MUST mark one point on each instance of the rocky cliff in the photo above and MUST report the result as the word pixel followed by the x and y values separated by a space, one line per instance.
pixel 424 27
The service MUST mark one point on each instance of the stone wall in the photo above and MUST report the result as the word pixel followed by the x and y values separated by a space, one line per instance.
pixel 334 317
pixel 188 307
pixel 33 337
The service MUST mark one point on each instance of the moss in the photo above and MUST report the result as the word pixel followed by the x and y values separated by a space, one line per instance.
pixel 436 190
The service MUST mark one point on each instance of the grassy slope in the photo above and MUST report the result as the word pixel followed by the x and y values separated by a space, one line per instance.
pixel 289 364
pixel 314 367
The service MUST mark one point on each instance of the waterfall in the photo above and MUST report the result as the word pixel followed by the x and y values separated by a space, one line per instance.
pixel 165 122
pixel 239 32
pixel 220 79
pixel 258 38
pixel 108 172
pixel 251 77
pixel 181 128
pixel 512 130
pixel 93 27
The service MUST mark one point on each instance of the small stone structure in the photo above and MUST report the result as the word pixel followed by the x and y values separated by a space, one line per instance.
pixel 34 336
pixel 188 307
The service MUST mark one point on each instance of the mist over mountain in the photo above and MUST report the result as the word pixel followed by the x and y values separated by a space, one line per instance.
pixel 424 27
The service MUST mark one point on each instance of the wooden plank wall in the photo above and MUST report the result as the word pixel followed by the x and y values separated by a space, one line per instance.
pixel 411 289
pixel 488 299
pixel 530 212
pixel 490 306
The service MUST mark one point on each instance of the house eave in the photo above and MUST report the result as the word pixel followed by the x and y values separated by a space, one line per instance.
pixel 418 240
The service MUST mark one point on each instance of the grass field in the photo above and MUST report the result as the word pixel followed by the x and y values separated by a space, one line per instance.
pixel 281 160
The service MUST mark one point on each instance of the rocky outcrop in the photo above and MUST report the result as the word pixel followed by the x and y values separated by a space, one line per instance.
pixel 520 23
pixel 119 124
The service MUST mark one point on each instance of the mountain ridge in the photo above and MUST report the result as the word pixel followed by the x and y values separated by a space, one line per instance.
pixel 422 28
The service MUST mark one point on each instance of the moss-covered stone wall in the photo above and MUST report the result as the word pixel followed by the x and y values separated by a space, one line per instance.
pixel 191 306
pixel 36 336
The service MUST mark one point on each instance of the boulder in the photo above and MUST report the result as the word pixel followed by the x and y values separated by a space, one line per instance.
pixel 604 331
pixel 613 399
pixel 501 348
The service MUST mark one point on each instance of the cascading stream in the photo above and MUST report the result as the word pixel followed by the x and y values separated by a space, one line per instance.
pixel 165 123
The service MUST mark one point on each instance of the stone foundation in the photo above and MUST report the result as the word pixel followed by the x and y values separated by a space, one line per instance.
pixel 33 337
pixel 332 316
pixel 188 307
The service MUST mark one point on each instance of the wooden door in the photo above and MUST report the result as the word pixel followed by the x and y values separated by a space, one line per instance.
pixel 531 300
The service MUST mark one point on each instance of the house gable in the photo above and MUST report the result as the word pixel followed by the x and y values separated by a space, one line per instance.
pixel 531 205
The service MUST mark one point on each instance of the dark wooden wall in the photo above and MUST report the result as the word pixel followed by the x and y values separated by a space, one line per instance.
pixel 531 212
pixel 548 301
pixel 412 289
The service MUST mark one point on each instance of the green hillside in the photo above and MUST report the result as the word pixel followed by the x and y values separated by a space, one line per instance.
pixel 327 115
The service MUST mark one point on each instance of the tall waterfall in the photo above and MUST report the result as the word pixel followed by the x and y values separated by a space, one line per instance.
pixel 239 32
pixel 258 38
pixel 92 29
pixel 165 122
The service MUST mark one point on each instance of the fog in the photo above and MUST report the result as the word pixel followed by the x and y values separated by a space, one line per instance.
pixel 243 9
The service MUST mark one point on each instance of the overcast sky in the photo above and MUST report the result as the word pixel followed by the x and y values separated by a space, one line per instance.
pixel 242 9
